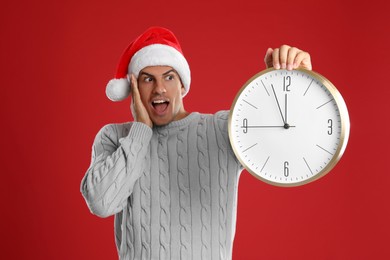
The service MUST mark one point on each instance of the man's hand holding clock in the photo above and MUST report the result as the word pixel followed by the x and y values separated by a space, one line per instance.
pixel 287 57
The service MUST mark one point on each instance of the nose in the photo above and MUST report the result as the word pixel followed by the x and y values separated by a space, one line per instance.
pixel 159 87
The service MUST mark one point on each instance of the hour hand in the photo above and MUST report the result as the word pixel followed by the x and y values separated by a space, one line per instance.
pixel 245 126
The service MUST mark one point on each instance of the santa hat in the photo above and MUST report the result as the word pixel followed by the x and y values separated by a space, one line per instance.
pixel 157 46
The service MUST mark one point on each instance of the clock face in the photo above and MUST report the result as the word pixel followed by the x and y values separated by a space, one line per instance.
pixel 288 128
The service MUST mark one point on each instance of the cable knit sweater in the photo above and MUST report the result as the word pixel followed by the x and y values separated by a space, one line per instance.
pixel 173 188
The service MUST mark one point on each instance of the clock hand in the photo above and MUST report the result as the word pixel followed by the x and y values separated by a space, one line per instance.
pixel 286 125
pixel 266 126
pixel 285 108
pixel 277 101
pixel 245 126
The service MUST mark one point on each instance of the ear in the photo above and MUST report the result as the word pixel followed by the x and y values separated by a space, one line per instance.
pixel 182 90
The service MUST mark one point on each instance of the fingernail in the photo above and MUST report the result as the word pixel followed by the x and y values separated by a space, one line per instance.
pixel 277 66
pixel 283 65
pixel 289 67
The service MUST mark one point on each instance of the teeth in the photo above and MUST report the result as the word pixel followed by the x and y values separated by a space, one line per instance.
pixel 159 101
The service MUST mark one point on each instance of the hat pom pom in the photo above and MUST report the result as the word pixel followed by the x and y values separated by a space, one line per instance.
pixel 118 89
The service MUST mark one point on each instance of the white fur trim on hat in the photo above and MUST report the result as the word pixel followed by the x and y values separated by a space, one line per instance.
pixel 161 55
pixel 118 89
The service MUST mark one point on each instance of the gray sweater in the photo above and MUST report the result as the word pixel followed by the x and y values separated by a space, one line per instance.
pixel 173 188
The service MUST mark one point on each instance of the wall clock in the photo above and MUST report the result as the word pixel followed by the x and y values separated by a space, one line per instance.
pixel 288 128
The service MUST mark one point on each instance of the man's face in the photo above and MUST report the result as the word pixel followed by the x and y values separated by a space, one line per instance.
pixel 161 92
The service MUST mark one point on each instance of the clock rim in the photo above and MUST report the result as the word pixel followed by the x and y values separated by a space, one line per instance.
pixel 344 135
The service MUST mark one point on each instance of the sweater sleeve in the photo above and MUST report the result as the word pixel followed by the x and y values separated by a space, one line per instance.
pixel 221 120
pixel 115 166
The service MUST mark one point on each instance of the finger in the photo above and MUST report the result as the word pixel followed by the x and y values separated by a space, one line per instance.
pixel 136 95
pixel 268 58
pixel 134 87
pixel 133 82
pixel 302 59
pixel 275 59
pixel 292 53
pixel 137 103
pixel 283 55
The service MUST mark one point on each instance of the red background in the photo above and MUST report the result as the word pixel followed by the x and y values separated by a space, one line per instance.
pixel 56 57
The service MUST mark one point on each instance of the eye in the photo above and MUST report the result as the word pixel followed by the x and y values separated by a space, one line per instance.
pixel 148 79
pixel 169 77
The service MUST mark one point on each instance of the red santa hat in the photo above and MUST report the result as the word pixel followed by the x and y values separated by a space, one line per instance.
pixel 157 46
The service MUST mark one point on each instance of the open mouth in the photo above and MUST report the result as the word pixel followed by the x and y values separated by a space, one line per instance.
pixel 160 106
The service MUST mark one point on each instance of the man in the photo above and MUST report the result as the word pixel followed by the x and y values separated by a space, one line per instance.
pixel 170 177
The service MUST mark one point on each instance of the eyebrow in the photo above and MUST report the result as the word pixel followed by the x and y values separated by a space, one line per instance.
pixel 169 71
pixel 165 73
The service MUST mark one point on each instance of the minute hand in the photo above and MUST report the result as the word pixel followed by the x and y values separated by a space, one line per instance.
pixel 285 109
pixel 277 101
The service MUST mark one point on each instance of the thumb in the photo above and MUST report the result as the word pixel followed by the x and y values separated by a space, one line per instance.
pixel 268 58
